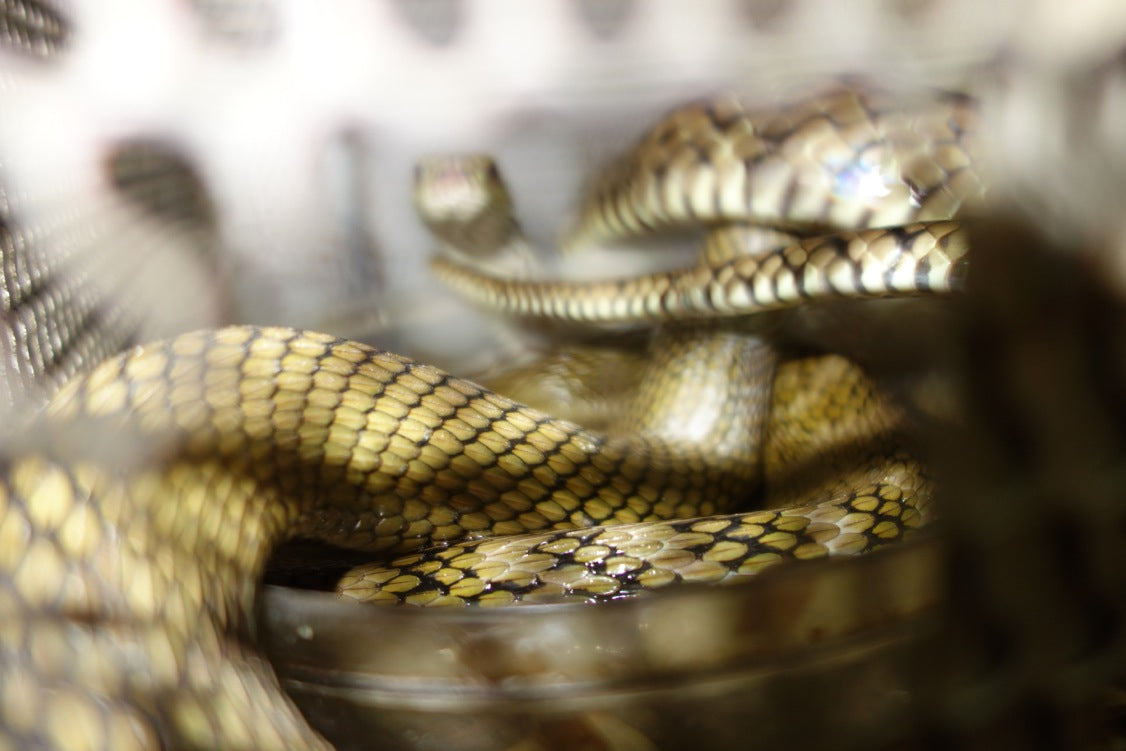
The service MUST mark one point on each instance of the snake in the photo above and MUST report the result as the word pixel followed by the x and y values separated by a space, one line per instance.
pixel 129 565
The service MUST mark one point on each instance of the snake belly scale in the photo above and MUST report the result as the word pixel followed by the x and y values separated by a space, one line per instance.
pixel 128 566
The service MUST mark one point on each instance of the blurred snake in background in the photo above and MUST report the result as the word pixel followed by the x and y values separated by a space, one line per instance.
pixel 138 511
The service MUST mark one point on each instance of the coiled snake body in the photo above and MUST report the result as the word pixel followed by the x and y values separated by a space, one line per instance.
pixel 128 567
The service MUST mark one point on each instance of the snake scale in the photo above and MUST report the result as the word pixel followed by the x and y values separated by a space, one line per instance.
pixel 128 567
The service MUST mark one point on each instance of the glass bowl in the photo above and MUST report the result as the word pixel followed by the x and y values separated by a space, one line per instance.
pixel 805 655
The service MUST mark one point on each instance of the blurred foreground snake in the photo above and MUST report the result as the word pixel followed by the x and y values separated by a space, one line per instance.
pixel 136 519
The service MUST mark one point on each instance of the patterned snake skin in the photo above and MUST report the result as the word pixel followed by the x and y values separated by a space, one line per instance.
pixel 267 433
pixel 851 132
pixel 1031 632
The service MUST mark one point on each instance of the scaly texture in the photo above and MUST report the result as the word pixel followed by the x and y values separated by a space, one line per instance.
pixel 921 32
pixel 850 158
pixel 884 176
pixel 832 458
pixel 686 383
pixel 870 263
pixel 131 566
